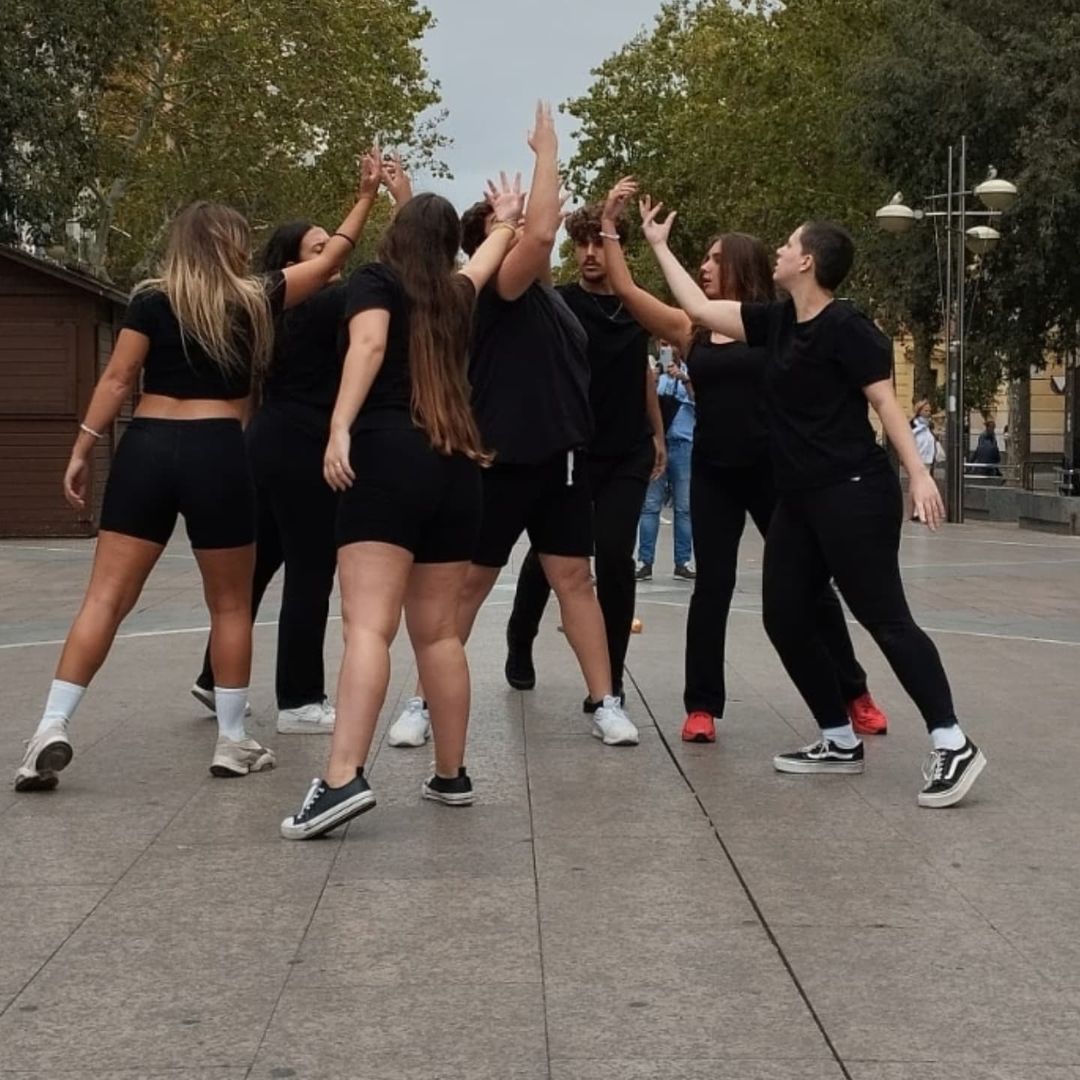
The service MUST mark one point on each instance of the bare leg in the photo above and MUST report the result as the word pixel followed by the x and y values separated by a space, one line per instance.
pixel 582 619
pixel 373 580
pixel 227 575
pixel 121 567
pixel 431 615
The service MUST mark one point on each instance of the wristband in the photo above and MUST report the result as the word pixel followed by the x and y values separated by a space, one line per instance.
pixel 610 236
pixel 351 241
pixel 91 431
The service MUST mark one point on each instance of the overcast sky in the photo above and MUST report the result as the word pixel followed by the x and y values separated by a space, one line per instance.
pixel 494 60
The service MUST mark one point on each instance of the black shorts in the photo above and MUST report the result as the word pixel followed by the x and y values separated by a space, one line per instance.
pixel 536 499
pixel 407 494
pixel 197 468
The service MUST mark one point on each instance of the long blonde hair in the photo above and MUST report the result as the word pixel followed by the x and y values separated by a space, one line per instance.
pixel 216 299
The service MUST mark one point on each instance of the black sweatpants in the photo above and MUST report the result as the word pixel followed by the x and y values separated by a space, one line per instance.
pixel 849 532
pixel 720 499
pixel 618 489
pixel 296 511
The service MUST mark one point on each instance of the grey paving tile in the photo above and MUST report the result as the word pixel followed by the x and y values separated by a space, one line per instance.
pixel 399 1031
pixel 445 930
pixel 36 921
pixel 694 1069
pixel 130 1074
pixel 924 987
pixel 929 1070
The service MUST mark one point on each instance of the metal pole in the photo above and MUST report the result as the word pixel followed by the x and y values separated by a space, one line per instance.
pixel 951 441
pixel 961 329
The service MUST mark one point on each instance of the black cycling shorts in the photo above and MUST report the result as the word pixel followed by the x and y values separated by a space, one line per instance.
pixel 536 499
pixel 409 495
pixel 197 468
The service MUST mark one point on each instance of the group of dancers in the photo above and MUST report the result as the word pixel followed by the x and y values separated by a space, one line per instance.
pixel 416 420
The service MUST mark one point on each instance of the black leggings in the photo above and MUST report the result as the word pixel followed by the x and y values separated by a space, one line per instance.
pixel 720 499
pixel 296 511
pixel 618 490
pixel 851 533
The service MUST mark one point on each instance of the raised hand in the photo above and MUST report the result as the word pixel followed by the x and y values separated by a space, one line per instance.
pixel 370 173
pixel 542 138
pixel 656 232
pixel 507 201
pixel 618 198
pixel 395 179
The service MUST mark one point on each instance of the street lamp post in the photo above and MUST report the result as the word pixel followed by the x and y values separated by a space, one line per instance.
pixel 996 195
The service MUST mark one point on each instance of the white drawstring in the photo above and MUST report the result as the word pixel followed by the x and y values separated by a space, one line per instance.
pixel 569 468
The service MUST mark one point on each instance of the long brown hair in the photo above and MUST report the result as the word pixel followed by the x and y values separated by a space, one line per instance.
pixel 215 297
pixel 745 273
pixel 420 245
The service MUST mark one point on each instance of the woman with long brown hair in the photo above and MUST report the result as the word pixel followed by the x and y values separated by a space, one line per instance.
pixel 200 335
pixel 405 453
pixel 731 471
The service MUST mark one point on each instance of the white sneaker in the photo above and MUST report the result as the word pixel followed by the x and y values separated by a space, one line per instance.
pixel 233 758
pixel 206 699
pixel 611 724
pixel 412 727
pixel 47 753
pixel 314 719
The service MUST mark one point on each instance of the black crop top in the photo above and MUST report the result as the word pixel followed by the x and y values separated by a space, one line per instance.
pixel 177 365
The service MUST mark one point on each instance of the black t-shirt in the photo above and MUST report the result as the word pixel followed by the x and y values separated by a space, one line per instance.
pixel 818 414
pixel 729 397
pixel 529 371
pixel 306 371
pixel 618 354
pixel 176 364
pixel 389 401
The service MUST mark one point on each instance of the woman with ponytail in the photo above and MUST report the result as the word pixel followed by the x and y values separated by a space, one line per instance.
pixel 200 335
pixel 405 453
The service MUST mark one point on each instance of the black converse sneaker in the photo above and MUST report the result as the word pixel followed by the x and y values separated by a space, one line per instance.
pixel 949 775
pixel 453 792
pixel 519 670
pixel 325 808
pixel 824 756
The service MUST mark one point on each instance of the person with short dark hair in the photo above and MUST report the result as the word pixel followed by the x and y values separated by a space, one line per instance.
pixel 626 449
pixel 840 508
pixel 731 470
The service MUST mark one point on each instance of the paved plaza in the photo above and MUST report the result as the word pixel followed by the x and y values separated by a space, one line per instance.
pixel 665 912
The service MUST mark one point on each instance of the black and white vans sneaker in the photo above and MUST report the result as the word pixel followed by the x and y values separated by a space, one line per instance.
pixel 824 756
pixel 949 775
pixel 453 792
pixel 325 808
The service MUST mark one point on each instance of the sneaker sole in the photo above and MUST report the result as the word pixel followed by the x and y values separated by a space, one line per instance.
pixel 626 740
pixel 46 782
pixel 951 798
pixel 803 768
pixel 230 772
pixel 54 758
pixel 346 811
pixel 407 744
pixel 699 738
pixel 447 799
pixel 520 684
pixel 869 731
pixel 298 727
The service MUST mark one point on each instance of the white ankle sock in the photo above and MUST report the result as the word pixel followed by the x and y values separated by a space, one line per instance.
pixel 948 738
pixel 60 705
pixel 230 711
pixel 844 736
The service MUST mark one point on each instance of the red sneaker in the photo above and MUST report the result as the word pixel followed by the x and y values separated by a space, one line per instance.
pixel 866 717
pixel 699 727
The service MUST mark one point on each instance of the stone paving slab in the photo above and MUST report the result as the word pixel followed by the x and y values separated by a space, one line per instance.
pixel 669 912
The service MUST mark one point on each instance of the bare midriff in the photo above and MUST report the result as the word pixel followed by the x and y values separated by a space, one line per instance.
pixel 160 407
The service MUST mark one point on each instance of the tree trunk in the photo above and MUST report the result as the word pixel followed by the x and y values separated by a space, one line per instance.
pixel 924 384
pixel 1019 446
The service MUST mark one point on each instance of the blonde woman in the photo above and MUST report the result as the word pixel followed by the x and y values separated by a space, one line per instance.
pixel 199 335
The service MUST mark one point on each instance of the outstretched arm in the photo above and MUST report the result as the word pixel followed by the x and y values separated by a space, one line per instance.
pixel 722 316
pixel 660 319
pixel 305 278
pixel 543 214
pixel 506 204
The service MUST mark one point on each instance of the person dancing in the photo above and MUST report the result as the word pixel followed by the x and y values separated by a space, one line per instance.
pixel 530 373
pixel 296 508
pixel 199 334
pixel 839 510
pixel 731 472
pixel 406 455
pixel 627 448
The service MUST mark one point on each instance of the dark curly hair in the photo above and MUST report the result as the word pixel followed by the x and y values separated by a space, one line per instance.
pixel 474 226
pixel 584 225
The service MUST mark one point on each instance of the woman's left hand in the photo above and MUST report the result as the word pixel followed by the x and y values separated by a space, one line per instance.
pixel 926 502
pixel 396 179
pixel 656 232
pixel 370 173
pixel 660 460
pixel 337 471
